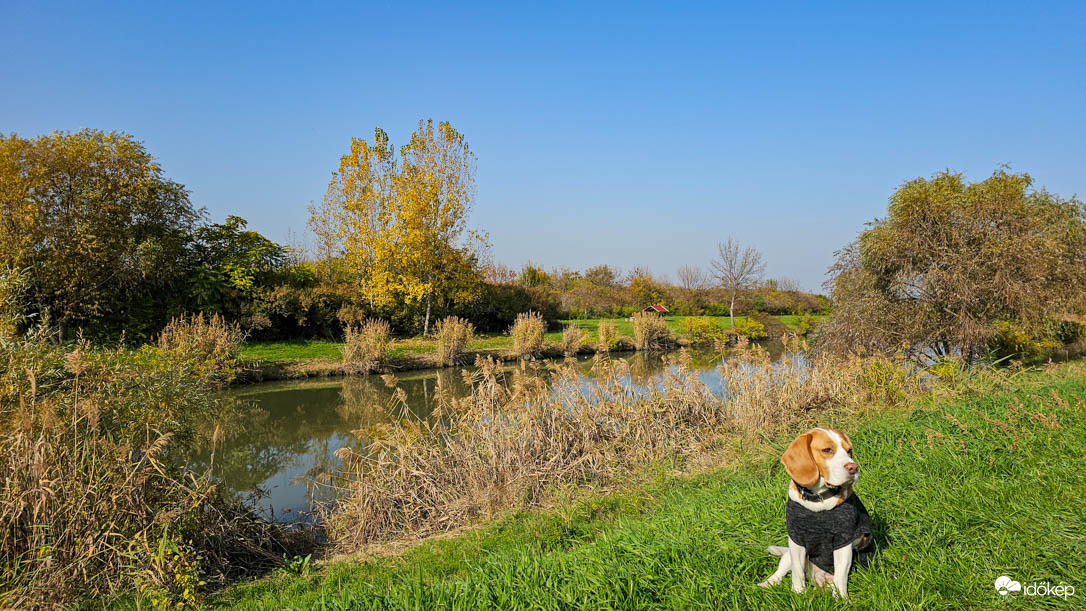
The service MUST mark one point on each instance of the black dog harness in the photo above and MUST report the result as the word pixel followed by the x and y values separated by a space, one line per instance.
pixel 821 532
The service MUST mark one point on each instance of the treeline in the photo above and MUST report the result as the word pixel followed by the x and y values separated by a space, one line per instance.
pixel 113 248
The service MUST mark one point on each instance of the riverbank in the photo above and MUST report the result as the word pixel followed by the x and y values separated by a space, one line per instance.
pixel 287 360
pixel 999 496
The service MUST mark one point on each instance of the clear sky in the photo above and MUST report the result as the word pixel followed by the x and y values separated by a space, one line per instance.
pixel 625 133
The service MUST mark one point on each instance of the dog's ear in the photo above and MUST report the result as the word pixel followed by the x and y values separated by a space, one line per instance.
pixel 798 461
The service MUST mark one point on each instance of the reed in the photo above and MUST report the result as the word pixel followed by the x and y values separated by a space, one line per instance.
pixel 92 501
pixel 514 439
pixel 453 336
pixel 650 331
pixel 527 332
pixel 366 347
pixel 573 339
pixel 207 344
pixel 606 336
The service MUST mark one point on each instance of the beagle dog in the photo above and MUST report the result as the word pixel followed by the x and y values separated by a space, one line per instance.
pixel 828 526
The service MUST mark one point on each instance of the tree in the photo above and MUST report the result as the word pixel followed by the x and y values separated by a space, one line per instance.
pixel 602 275
pixel 231 264
pixel 399 223
pixel 952 261
pixel 100 230
pixel 692 278
pixel 533 275
pixel 736 269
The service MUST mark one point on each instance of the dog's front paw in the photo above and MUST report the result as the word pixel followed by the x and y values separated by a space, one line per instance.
pixel 798 589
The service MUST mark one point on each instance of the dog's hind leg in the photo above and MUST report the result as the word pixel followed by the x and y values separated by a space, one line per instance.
pixel 783 567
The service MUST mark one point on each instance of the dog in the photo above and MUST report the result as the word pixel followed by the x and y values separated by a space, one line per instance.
pixel 828 526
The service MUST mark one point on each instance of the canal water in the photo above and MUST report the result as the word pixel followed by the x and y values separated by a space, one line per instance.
pixel 276 438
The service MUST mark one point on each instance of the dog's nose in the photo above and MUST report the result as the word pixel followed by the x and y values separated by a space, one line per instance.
pixel 852 468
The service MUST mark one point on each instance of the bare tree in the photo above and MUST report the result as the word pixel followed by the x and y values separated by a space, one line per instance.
pixel 692 278
pixel 736 269
pixel 788 284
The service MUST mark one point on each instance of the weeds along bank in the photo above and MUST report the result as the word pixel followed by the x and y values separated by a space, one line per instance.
pixel 513 440
pixel 91 503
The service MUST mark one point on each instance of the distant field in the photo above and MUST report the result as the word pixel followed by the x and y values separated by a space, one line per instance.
pixel 299 350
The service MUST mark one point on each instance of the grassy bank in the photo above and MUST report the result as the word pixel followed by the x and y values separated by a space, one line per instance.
pixel 961 490
pixel 302 358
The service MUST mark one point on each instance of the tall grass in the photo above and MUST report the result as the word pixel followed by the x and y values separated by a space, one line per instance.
pixel 573 339
pixel 208 344
pixel 366 347
pixel 453 336
pixel 510 442
pixel 606 336
pixel 650 331
pixel 528 330
pixel 92 501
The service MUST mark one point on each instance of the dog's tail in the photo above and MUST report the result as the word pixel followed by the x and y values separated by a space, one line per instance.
pixel 777 550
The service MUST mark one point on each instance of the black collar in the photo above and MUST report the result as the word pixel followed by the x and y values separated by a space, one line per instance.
pixel 809 495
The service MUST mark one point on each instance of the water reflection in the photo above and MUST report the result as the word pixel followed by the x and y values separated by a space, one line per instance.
pixel 279 436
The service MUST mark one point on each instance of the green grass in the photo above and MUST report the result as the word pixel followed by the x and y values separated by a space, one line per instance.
pixel 961 492
pixel 301 350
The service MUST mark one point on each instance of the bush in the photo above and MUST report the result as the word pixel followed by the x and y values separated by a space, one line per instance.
pixel 699 330
pixel 650 331
pixel 606 336
pixel 527 334
pixel 209 344
pixel 366 347
pixel 750 328
pixel 499 305
pixel 572 339
pixel 453 336
pixel 1011 340
pixel 806 324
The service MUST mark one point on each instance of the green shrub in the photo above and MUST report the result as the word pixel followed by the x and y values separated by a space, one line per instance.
pixel 208 344
pixel 806 324
pixel 527 332
pixel 573 338
pixel 700 330
pixel 750 328
pixel 453 336
pixel 1011 340
pixel 366 347
pixel 650 331
pixel 606 336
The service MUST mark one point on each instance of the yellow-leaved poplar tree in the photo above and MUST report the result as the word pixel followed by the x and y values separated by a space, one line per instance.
pixel 398 224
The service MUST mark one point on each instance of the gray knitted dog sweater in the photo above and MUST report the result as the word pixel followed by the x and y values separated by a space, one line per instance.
pixel 821 532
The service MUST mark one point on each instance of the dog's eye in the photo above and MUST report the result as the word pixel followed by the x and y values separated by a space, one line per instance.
pixel 827 451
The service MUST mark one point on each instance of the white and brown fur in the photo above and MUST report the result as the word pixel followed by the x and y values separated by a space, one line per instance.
pixel 819 459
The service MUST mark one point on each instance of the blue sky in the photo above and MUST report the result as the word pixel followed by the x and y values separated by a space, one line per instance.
pixel 625 133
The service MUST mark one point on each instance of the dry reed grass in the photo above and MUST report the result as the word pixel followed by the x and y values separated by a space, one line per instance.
pixel 606 336
pixel 511 441
pixel 573 339
pixel 208 344
pixel 453 336
pixel 92 502
pixel 650 331
pixel 528 330
pixel 366 347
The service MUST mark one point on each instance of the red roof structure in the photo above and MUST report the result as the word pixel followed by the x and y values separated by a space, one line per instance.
pixel 656 308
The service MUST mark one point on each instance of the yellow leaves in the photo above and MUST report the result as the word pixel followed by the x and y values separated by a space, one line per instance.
pixel 400 224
